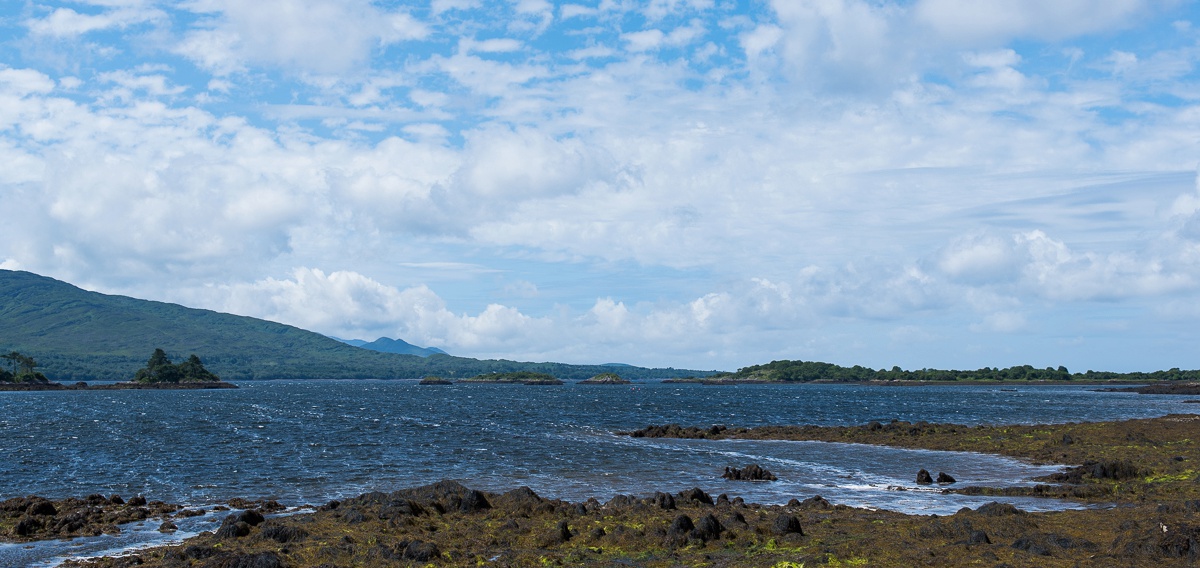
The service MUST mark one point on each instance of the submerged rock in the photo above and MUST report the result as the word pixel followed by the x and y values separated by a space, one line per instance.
pixel 751 472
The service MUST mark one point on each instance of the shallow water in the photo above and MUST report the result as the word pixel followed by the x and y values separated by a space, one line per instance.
pixel 311 441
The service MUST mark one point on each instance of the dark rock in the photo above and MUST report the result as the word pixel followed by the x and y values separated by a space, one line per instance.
pixel 259 560
pixel 197 552
pixel 167 527
pixel 695 494
pixel 978 537
pixel 353 516
pixel 136 501
pixel 751 472
pixel 944 477
pixel 564 531
pixel 231 527
pixel 995 509
pixel 44 508
pixel 252 518
pixel 923 477
pixel 283 534
pixel 27 526
pixel 681 525
pixel 330 506
pixel 816 502
pixel 420 551
pixel 786 524
pixel 621 501
pixel 116 500
pixel 663 501
pixel 474 501
pixel 597 533
pixel 522 501
pixel 401 508
pixel 707 528
pixel 1043 544
pixel 1112 469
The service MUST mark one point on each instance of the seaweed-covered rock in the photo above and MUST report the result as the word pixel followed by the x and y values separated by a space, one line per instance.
pixel 682 525
pixel 708 528
pixel 421 551
pixel 944 477
pixel 695 494
pixel 786 524
pixel 662 500
pixel 924 478
pixel 283 534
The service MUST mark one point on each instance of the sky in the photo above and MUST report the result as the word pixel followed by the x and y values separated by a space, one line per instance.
pixel 703 184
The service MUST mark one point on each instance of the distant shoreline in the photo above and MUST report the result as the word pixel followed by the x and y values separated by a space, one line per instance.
pixel 81 386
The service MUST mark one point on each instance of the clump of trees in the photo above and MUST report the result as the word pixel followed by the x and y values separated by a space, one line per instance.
pixel 160 369
pixel 22 369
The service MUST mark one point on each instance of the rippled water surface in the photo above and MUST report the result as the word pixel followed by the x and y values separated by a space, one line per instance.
pixel 311 441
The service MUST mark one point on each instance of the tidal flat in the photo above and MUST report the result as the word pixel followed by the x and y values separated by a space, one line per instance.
pixel 1138 478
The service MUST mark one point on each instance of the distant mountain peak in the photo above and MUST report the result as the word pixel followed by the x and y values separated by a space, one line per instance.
pixel 389 345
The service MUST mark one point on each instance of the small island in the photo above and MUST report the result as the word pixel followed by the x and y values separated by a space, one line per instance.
pixel 606 379
pixel 517 377
pixel 159 373
pixel 435 380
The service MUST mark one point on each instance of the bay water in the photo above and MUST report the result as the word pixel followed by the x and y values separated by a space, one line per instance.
pixel 307 442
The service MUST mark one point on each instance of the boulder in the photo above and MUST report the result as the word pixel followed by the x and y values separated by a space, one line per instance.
pixel 707 528
pixel 695 494
pixel 786 524
pixel 944 477
pixel 923 477
pixel 681 525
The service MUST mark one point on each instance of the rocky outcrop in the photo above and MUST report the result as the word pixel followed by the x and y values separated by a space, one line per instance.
pixel 751 472
pixel 37 518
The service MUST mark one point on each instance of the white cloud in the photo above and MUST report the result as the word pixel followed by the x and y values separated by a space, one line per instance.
pixel 988 22
pixel 644 40
pixel 65 22
pixel 317 36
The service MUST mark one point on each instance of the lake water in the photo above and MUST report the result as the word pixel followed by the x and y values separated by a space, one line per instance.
pixel 311 441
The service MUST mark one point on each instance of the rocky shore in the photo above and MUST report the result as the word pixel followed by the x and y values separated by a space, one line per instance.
pixel 1141 474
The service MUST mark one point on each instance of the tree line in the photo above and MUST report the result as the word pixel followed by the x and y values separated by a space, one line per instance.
pixel 807 371
pixel 21 369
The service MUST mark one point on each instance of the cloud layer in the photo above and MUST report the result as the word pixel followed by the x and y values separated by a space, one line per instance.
pixel 686 182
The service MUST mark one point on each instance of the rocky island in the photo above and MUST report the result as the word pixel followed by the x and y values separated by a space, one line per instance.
pixel 515 378
pixel 606 379
pixel 159 373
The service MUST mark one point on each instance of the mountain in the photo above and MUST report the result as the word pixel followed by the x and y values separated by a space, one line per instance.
pixel 78 335
pixel 398 346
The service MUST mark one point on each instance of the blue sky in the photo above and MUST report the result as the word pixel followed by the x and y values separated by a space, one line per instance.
pixel 692 183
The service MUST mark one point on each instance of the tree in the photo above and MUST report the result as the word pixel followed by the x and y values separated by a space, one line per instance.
pixel 159 369
pixel 12 357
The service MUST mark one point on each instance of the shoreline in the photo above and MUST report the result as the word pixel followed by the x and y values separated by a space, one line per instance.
pixel 1145 468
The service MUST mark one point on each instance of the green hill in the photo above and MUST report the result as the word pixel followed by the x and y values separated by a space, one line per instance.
pixel 78 335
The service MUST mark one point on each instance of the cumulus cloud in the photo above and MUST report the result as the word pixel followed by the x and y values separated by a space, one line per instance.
pixel 987 22
pixel 316 36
